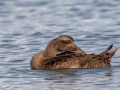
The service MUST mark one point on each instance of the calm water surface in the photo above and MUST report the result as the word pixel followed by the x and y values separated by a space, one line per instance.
pixel 26 26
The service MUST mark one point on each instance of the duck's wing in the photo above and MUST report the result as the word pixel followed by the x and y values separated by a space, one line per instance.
pixel 101 60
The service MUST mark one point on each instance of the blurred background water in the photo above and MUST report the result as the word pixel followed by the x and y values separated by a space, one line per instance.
pixel 26 26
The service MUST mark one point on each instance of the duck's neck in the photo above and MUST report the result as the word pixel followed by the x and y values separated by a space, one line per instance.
pixel 50 51
pixel 49 54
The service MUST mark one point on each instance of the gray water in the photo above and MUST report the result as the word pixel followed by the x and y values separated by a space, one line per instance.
pixel 26 26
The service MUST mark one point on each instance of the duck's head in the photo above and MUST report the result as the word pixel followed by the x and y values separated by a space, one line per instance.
pixel 59 44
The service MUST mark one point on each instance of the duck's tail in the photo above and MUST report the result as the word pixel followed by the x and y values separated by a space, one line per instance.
pixel 109 51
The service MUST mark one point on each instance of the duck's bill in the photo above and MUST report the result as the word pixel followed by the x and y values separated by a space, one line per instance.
pixel 79 51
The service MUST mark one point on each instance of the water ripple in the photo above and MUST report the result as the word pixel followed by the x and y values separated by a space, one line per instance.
pixel 26 27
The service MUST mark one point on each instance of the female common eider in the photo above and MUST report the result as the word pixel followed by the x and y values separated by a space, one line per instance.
pixel 72 57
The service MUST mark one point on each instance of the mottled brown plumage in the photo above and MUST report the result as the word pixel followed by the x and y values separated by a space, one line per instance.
pixel 72 57
pixel 75 60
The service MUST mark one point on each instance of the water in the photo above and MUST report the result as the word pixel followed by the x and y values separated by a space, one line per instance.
pixel 26 26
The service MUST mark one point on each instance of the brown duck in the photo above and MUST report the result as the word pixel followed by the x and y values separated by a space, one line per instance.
pixel 70 57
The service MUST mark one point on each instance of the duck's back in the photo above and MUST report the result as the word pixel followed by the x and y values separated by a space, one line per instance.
pixel 76 61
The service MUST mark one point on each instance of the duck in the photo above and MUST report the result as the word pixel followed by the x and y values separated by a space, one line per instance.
pixel 62 52
pixel 58 45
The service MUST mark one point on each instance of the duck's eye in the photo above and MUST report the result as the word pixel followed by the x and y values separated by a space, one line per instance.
pixel 66 41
